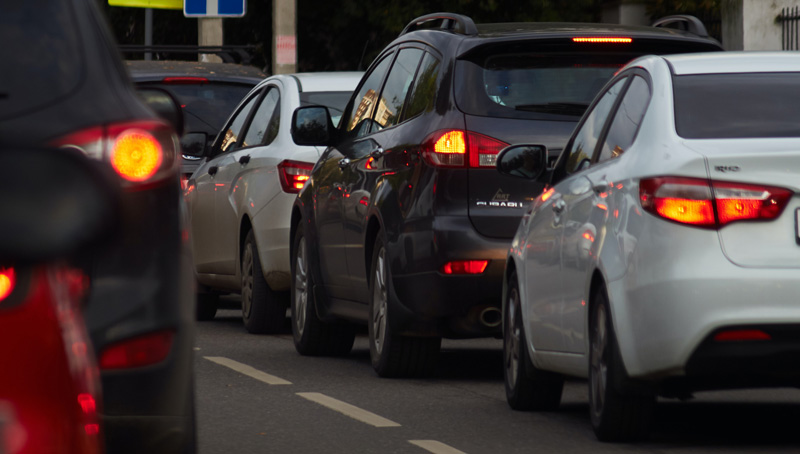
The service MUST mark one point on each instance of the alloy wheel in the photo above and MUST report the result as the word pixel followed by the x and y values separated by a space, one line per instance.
pixel 599 365
pixel 379 302
pixel 247 281
pixel 300 302
pixel 511 337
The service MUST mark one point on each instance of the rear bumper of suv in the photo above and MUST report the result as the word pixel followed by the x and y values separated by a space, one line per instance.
pixel 432 303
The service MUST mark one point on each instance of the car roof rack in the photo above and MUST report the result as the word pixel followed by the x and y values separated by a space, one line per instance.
pixel 229 53
pixel 685 22
pixel 455 23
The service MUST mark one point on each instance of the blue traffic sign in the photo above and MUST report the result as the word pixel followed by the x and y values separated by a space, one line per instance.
pixel 214 8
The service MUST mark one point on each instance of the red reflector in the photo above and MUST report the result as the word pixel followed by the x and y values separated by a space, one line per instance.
pixel 8 279
pixel 465 267
pixel 184 80
pixel 87 403
pixel 602 39
pixel 742 335
pixel 294 175
pixel 137 352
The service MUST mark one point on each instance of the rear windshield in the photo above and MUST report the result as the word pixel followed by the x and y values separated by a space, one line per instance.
pixel 720 106
pixel 206 106
pixel 335 101
pixel 534 85
pixel 40 53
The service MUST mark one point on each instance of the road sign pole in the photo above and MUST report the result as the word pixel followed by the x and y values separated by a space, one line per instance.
pixel 148 31
pixel 284 36
pixel 209 33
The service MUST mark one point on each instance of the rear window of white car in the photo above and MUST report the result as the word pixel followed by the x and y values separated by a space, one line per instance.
pixel 730 106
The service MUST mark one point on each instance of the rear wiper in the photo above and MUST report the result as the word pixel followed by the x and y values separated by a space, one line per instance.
pixel 565 108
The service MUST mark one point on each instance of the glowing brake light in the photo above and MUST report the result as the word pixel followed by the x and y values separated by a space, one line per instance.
pixel 710 204
pixel 294 175
pixel 465 267
pixel 8 279
pixel 136 155
pixel 139 151
pixel 457 148
pixel 184 80
pixel 603 39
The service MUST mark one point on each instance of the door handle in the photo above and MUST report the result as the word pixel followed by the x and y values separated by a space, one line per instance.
pixel 343 163
pixel 244 159
pixel 377 153
pixel 559 205
pixel 213 170
pixel 600 187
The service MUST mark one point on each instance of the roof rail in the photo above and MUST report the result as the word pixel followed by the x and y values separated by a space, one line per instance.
pixel 687 23
pixel 228 53
pixel 455 23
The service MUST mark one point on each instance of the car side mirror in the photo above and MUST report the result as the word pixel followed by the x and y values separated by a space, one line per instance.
pixel 56 202
pixel 194 145
pixel 164 104
pixel 312 125
pixel 523 161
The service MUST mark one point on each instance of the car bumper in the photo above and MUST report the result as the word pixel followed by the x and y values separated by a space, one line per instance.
pixel 271 227
pixel 430 302
pixel 665 325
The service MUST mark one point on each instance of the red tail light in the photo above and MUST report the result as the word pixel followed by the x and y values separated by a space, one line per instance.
pixel 465 267
pixel 137 352
pixel 140 152
pixel 294 175
pixel 711 204
pixel 8 280
pixel 457 148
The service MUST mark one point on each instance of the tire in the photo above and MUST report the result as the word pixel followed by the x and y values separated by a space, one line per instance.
pixel 207 306
pixel 394 355
pixel 527 388
pixel 313 337
pixel 617 414
pixel 263 311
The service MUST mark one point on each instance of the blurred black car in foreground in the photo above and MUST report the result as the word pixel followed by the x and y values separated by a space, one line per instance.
pixel 64 85
pixel 208 92
pixel 405 223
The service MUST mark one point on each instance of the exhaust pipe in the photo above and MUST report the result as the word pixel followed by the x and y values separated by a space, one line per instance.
pixel 491 317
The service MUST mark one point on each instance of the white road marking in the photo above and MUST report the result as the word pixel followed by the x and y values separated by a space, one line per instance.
pixel 349 410
pixel 435 447
pixel 247 370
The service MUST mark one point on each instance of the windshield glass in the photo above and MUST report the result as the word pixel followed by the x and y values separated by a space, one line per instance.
pixel 533 85
pixel 335 101
pixel 720 106
pixel 206 106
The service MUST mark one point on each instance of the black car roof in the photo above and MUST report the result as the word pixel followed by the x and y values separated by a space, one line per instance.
pixel 560 29
pixel 153 70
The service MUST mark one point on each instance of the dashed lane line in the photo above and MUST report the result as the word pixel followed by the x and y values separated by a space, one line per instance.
pixel 435 447
pixel 247 370
pixel 349 410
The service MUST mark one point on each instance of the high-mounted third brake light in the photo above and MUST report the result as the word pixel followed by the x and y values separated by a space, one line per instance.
pixel 8 279
pixel 710 204
pixel 603 39
pixel 184 80
pixel 457 148
pixel 294 175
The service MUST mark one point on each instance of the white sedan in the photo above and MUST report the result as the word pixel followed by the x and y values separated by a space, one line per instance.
pixel 664 258
pixel 240 197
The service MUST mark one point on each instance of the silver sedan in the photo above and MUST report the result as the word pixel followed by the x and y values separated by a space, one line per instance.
pixel 663 259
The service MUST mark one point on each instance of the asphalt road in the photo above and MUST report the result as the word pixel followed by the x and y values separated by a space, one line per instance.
pixel 255 394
